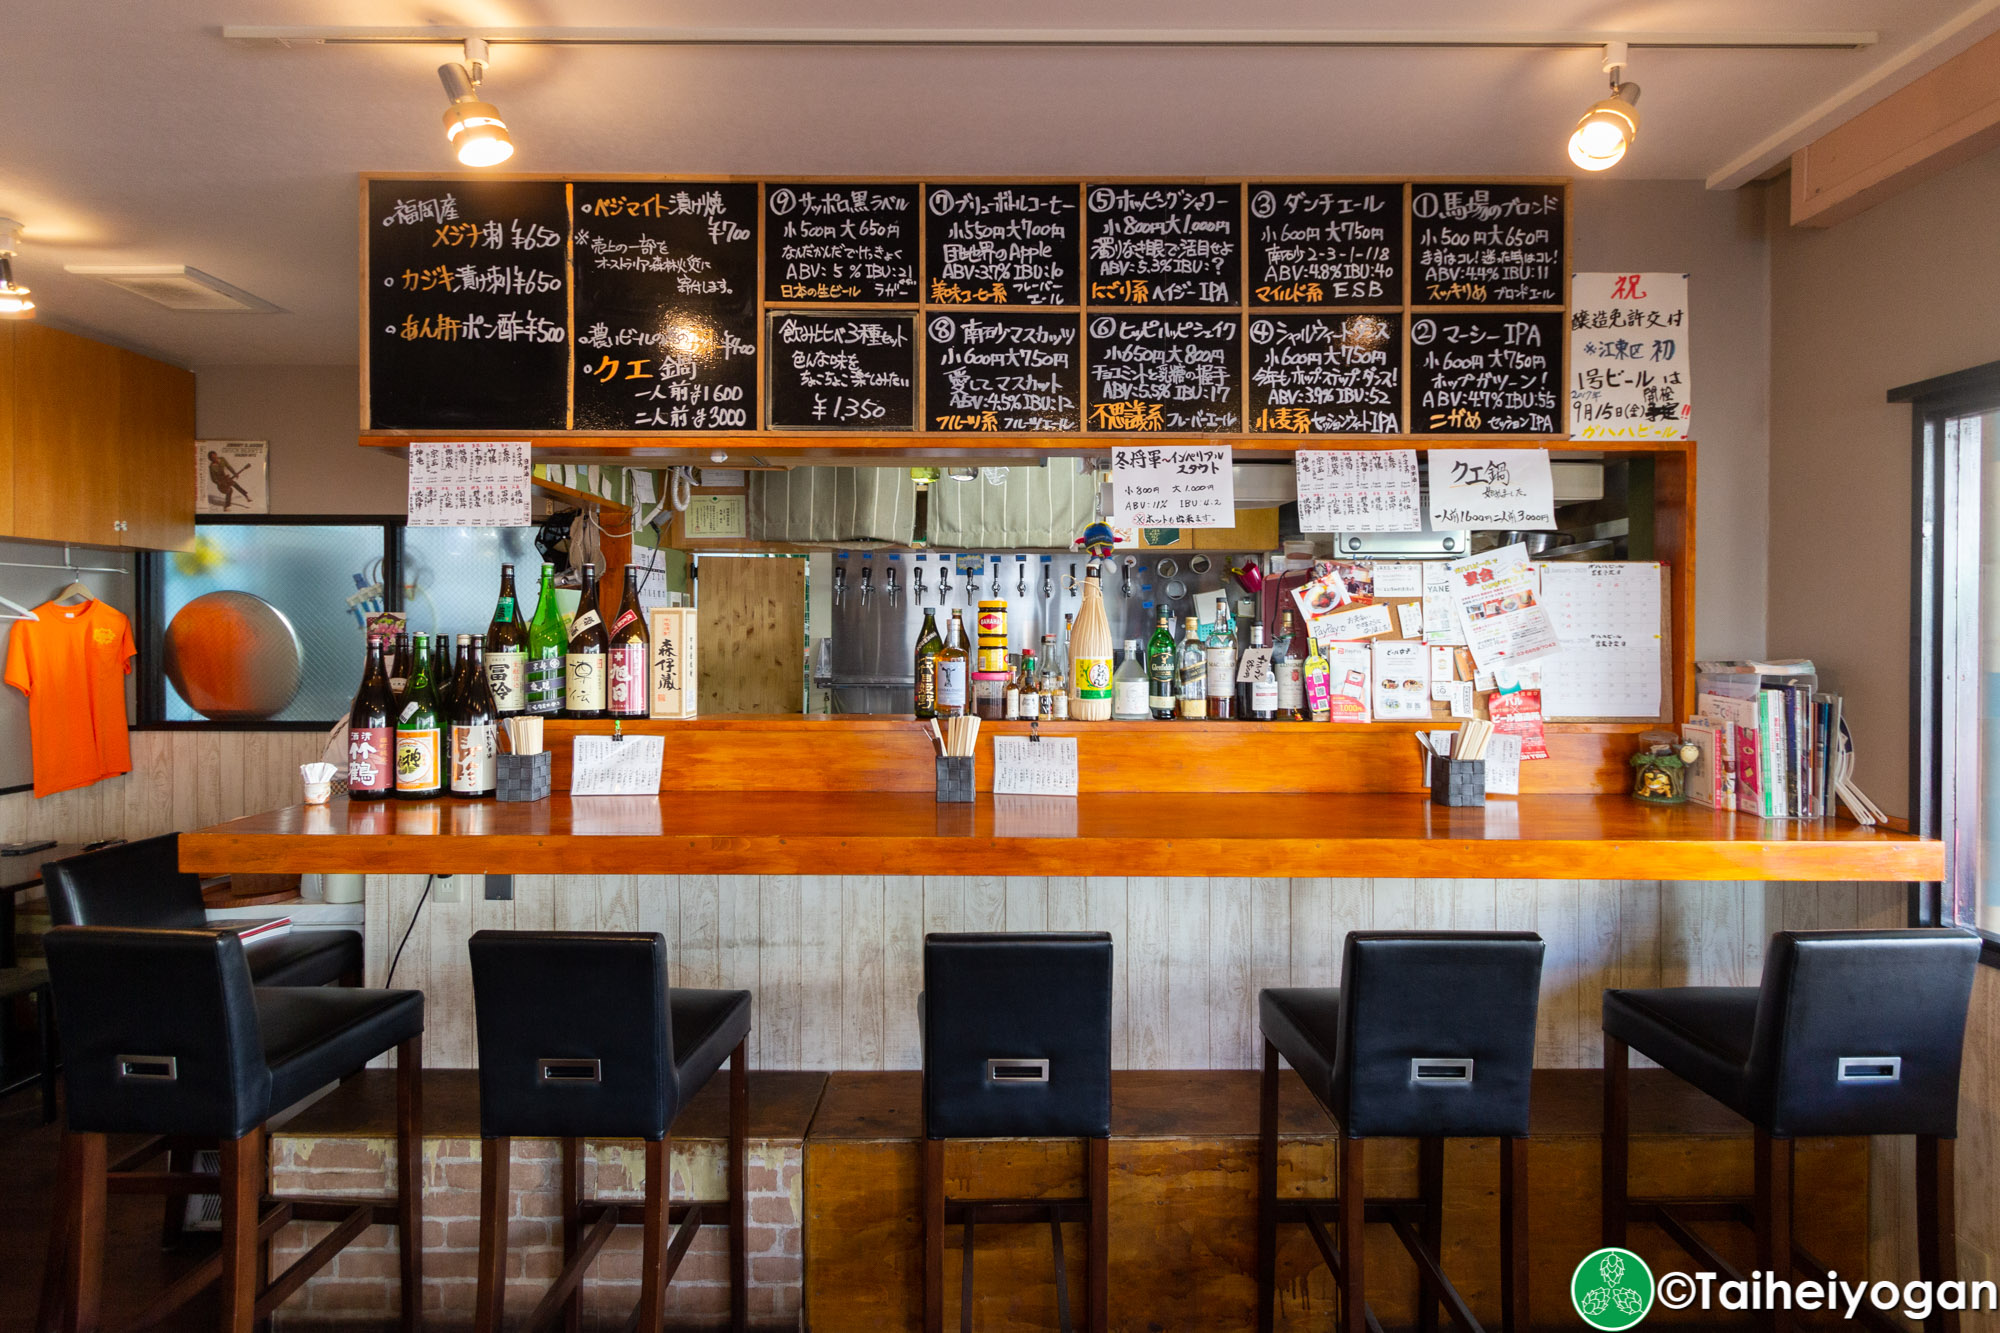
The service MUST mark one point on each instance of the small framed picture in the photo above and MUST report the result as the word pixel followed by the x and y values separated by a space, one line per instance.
pixel 231 477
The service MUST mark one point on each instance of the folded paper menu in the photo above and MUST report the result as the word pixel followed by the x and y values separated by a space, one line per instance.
pixel 601 766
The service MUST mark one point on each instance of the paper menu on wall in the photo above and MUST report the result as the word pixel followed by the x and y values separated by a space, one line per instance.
pixel 1629 357
pixel 1358 490
pixel 1402 680
pixel 469 485
pixel 1440 616
pixel 1503 765
pixel 1497 599
pixel 1492 488
pixel 1173 486
pixel 1399 579
pixel 1026 767
pixel 601 766
pixel 1607 616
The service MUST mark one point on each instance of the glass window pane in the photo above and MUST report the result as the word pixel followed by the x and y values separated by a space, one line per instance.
pixel 274 632
pixel 452 575
pixel 1986 904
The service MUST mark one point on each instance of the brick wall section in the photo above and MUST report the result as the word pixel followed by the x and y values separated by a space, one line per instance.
pixel 360 1286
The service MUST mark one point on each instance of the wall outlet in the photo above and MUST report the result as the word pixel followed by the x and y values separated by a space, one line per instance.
pixel 448 889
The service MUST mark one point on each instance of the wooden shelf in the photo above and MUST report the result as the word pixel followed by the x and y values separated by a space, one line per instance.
pixel 1134 833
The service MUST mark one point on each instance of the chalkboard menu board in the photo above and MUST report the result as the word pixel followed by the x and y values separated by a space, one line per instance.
pixel 1489 373
pixel 1321 245
pixel 834 244
pixel 468 304
pixel 1003 372
pixel 1326 374
pixel 1164 245
pixel 843 371
pixel 1001 244
pixel 1487 245
pixel 1165 373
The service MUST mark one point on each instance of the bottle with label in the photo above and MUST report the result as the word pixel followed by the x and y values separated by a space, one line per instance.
pixel 954 670
pixel 1055 690
pixel 442 674
pixel 475 742
pixel 419 731
pixel 399 665
pixel 929 645
pixel 583 663
pixel 1263 684
pixel 371 733
pixel 507 651
pixel 1286 667
pixel 1160 668
pixel 1090 669
pixel 626 688
pixel 1221 657
pixel 1319 686
pixel 543 670
pixel 1028 685
pixel 449 696
pixel 1193 674
pixel 1128 687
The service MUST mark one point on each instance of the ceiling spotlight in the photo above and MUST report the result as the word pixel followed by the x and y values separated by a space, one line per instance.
pixel 15 303
pixel 1608 128
pixel 473 128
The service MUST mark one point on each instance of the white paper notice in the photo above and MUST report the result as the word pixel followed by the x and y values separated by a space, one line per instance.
pixel 1503 765
pixel 1024 767
pixel 1443 669
pixel 1410 619
pixel 1362 622
pixel 1172 486
pixel 1459 695
pixel 1358 490
pixel 1399 579
pixel 601 766
pixel 1492 488
pixel 1607 615
pixel 1402 680
pixel 1628 357
pixel 460 485
pixel 1498 600
pixel 1440 615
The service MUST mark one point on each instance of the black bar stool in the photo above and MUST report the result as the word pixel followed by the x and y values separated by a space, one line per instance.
pixel 1017 1044
pixel 16 982
pixel 1852 1032
pixel 1429 1036
pixel 580 1036
pixel 164 1035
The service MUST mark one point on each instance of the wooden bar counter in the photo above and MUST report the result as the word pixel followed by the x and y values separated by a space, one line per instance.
pixel 1126 833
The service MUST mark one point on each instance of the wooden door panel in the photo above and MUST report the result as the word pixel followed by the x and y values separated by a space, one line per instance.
pixel 751 626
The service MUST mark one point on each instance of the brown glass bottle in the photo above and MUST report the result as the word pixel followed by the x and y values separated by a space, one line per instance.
pixel 475 743
pixel 371 733
pixel 442 672
pixel 583 663
pixel 630 654
pixel 507 651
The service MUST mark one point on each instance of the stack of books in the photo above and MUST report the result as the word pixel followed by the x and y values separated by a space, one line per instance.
pixel 1771 743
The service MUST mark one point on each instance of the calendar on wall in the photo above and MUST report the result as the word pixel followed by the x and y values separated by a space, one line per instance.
pixel 1609 617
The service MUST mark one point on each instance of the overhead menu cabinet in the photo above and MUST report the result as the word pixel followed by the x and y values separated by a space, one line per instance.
pixel 798 316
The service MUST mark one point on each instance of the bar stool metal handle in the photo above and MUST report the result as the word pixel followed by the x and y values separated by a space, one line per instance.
pixel 560 1072
pixel 1870 1069
pixel 150 1068
pixel 1017 1071
pixel 1440 1072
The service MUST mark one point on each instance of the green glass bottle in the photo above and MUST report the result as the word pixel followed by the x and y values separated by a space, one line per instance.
pixel 1162 668
pixel 419 732
pixel 546 645
pixel 929 645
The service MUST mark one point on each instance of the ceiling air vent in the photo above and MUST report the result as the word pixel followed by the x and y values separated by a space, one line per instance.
pixel 175 286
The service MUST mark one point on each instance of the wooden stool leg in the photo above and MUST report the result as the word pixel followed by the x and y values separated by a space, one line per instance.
pixel 739 1200
pixel 51 1311
pixel 242 1192
pixel 1430 1192
pixel 653 1245
pixel 1773 1203
pixel 45 1023
pixel 410 1178
pixel 933 1228
pixel 1097 1250
pixel 572 1227
pixel 1514 1235
pixel 83 1245
pixel 1353 1265
pixel 495 1171
pixel 1617 1137
pixel 1937 1222
pixel 1267 1194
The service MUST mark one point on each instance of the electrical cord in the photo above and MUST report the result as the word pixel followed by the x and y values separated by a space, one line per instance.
pixel 422 898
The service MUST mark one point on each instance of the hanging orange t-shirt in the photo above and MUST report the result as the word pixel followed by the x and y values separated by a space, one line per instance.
pixel 72 664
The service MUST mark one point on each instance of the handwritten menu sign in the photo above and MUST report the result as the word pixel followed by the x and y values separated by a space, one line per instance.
pixel 666 306
pixel 602 766
pixel 1003 371
pixel 1628 357
pixel 1024 767
pixel 1314 245
pixel 468 304
pixel 1163 245
pixel 1173 486
pixel 833 372
pixel 1476 244
pixel 464 485
pixel 1001 245
pixel 1492 488
pixel 1489 373
pixel 1165 373
pixel 1355 490
pixel 833 244
pixel 1326 374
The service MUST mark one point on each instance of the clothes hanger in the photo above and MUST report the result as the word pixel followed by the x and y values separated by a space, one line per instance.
pixel 76 587
pixel 10 605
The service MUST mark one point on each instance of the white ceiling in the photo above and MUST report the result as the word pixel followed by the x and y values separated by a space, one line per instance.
pixel 133 133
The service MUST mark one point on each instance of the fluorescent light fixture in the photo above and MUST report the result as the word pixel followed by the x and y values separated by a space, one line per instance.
pixel 175 286
pixel 473 127
pixel 1608 127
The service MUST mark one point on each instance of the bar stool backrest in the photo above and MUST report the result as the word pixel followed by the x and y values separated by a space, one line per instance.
pixel 135 884
pixel 159 1032
pixel 1437 1033
pixel 1017 1035
pixel 575 1037
pixel 1861 1032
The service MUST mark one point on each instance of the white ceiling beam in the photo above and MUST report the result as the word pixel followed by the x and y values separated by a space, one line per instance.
pixel 1464 38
